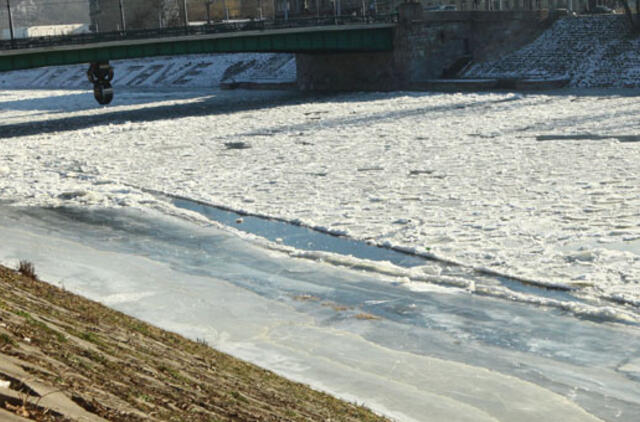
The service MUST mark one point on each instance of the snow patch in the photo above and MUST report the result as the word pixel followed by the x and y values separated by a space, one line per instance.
pixel 192 71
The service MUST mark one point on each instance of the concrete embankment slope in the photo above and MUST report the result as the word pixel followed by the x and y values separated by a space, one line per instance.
pixel 65 358
pixel 589 51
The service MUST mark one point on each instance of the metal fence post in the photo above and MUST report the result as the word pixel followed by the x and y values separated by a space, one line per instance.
pixel 186 14
pixel 122 20
pixel 226 10
pixel 209 2
pixel 10 20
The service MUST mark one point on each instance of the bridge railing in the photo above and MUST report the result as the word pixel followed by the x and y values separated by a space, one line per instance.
pixel 205 29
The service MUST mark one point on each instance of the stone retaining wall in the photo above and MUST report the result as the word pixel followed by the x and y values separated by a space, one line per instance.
pixel 426 46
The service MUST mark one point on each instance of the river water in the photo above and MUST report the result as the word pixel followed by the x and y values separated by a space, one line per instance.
pixel 442 354
pixel 438 257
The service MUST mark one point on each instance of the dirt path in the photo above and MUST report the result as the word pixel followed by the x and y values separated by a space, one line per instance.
pixel 65 358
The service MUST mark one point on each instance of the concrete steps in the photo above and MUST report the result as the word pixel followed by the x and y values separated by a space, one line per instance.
pixel 591 51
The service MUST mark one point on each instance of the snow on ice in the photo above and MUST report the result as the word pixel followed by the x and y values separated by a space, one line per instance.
pixel 540 187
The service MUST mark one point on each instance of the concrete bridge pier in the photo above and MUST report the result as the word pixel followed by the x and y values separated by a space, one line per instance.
pixel 361 71
pixel 346 72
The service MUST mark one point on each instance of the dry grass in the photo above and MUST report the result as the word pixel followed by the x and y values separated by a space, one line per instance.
pixel 336 307
pixel 27 269
pixel 365 316
pixel 306 298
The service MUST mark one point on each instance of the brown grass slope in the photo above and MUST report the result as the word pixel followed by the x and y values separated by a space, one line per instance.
pixel 65 358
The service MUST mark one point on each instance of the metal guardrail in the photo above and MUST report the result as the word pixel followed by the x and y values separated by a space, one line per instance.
pixel 215 28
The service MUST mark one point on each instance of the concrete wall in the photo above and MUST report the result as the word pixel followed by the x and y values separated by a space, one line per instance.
pixel 346 72
pixel 138 14
pixel 433 42
pixel 426 46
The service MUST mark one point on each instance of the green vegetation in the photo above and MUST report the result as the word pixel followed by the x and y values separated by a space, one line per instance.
pixel 5 339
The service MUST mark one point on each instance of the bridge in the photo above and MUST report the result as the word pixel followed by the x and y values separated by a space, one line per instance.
pixel 338 54
pixel 299 36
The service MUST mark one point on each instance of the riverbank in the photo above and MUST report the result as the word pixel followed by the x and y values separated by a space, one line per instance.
pixel 63 357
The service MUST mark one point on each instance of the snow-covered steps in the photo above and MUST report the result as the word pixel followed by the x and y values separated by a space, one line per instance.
pixel 590 51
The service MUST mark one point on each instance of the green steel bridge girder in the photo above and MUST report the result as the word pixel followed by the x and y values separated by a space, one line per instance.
pixel 311 40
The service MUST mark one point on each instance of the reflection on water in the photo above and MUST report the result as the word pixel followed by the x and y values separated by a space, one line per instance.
pixel 302 237
pixel 307 239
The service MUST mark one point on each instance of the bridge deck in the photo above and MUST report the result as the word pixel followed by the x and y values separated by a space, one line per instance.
pixel 332 38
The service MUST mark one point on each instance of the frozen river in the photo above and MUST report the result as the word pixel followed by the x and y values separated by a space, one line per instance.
pixel 437 355
pixel 540 188
pixel 525 206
